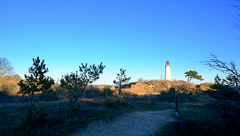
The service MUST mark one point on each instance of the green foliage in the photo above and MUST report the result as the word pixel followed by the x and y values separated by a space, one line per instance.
pixel 115 101
pixel 218 80
pixel 72 82
pixel 193 75
pixel 37 81
pixel 107 92
pixel 89 74
pixel 122 101
pixel 233 80
pixel 121 81
pixel 223 90
pixel 229 80
pixel 110 102
pixel 77 82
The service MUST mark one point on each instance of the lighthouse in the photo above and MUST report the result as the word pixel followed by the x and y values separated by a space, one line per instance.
pixel 168 71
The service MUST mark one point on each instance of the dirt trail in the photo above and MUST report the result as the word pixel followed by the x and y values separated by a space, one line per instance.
pixel 131 124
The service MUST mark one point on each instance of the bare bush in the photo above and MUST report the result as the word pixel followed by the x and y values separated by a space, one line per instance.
pixel 5 67
pixel 229 69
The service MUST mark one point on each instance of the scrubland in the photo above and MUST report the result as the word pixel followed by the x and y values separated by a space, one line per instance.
pixel 202 110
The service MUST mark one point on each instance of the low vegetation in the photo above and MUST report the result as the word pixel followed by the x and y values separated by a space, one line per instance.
pixel 204 109
pixel 51 116
pixel 161 86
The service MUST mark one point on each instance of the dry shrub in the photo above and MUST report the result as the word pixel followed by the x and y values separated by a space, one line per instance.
pixel 34 118
pixel 103 87
pixel 161 86
pixel 100 87
pixel 8 84
pixel 206 86
pixel 115 101
pixel 186 87
pixel 107 92
pixel 141 89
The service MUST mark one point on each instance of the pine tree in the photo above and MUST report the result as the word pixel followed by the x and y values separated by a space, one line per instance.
pixel 191 74
pixel 121 81
pixel 77 82
pixel 36 82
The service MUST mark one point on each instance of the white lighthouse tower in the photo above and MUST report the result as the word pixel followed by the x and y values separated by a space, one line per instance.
pixel 168 71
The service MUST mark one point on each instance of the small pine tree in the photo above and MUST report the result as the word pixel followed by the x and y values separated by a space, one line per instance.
pixel 121 81
pixel 77 82
pixel 36 81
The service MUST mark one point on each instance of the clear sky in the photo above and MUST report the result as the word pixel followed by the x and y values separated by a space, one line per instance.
pixel 137 35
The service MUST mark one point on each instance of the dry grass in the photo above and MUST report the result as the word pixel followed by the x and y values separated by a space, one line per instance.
pixel 8 84
pixel 206 86
pixel 59 121
pixel 160 86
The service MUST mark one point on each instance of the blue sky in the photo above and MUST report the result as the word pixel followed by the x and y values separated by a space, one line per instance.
pixel 137 35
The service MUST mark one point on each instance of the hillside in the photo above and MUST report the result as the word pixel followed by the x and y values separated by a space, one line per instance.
pixel 159 86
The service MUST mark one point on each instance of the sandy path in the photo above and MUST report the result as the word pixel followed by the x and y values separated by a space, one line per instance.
pixel 131 124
